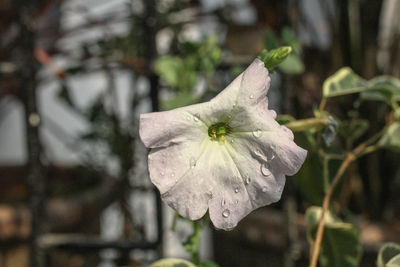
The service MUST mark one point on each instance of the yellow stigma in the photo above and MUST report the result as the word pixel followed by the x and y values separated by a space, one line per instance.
pixel 219 130
pixel 214 133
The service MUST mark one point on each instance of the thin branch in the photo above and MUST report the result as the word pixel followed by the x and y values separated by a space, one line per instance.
pixel 325 205
pixel 362 149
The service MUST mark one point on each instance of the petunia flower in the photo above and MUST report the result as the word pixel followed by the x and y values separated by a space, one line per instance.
pixel 228 155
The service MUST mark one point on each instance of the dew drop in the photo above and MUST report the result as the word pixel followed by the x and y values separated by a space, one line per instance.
pixel 223 202
pixel 166 194
pixel 237 190
pixel 226 213
pixel 257 133
pixel 236 201
pixel 264 189
pixel 251 96
pixel 162 173
pixel 265 169
pixel 196 118
pixel 192 163
pixel 248 180
pixel 173 174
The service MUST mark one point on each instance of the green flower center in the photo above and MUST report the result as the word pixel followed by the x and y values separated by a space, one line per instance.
pixel 219 130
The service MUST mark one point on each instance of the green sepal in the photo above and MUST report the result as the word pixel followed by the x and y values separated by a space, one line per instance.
pixel 274 57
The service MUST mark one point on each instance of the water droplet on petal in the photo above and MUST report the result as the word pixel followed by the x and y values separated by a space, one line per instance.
pixel 257 133
pixel 162 173
pixel 236 201
pixel 166 194
pixel 173 174
pixel 192 162
pixel 223 202
pixel 264 189
pixel 237 190
pixel 210 194
pixel 265 169
pixel 248 180
pixel 226 213
pixel 234 104
pixel 251 96
pixel 196 117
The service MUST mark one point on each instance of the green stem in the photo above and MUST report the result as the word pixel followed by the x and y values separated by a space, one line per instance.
pixel 326 173
pixel 322 104
pixel 305 124
pixel 366 147
pixel 196 243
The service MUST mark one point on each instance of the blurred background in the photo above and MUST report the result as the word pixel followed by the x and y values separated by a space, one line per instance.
pixel 76 74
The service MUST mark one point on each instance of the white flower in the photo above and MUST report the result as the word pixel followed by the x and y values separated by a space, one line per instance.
pixel 228 155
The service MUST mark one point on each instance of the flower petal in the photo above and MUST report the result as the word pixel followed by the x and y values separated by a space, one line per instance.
pixel 194 172
pixel 254 189
pixel 275 147
pixel 249 88
pixel 161 129
pixel 212 179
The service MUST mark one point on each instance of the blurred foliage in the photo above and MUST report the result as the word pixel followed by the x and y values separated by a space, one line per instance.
pixel 293 63
pixel 275 57
pixel 328 147
pixel 341 246
pixel 389 255
pixel 182 74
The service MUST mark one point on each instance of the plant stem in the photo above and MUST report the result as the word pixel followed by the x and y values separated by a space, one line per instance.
pixel 325 205
pixel 362 149
pixel 322 104
pixel 302 125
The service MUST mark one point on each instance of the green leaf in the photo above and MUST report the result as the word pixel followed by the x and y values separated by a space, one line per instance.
pixel 308 179
pixel 394 262
pixel 343 82
pixel 172 263
pixel 167 67
pixel 341 246
pixel 292 65
pixel 179 73
pixel 389 254
pixel 391 139
pixel 352 129
pixel 383 88
pixel 285 118
pixel 289 38
pixel 180 100
pixel 274 57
